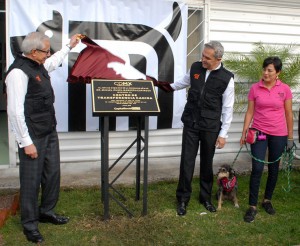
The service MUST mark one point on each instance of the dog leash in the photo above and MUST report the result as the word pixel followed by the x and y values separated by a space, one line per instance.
pixel 236 156
pixel 287 159
pixel 287 167
pixel 263 161
pixel 259 160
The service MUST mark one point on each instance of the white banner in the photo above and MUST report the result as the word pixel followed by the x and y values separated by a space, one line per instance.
pixel 150 35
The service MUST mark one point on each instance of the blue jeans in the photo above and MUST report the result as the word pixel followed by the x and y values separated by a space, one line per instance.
pixel 275 145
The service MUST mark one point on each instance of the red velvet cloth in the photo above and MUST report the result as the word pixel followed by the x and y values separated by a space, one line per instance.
pixel 92 64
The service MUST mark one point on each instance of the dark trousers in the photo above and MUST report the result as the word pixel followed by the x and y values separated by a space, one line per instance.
pixel 275 146
pixel 191 138
pixel 42 172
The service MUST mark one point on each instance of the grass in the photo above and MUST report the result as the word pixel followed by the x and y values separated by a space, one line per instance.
pixel 161 226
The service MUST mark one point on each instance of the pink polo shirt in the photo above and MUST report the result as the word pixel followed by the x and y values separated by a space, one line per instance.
pixel 269 112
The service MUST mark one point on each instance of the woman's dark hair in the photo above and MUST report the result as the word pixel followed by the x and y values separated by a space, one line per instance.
pixel 275 60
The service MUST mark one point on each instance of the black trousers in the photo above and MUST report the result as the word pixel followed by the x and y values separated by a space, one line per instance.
pixel 191 139
pixel 42 172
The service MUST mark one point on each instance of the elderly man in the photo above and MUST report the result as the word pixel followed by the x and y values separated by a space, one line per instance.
pixel 31 116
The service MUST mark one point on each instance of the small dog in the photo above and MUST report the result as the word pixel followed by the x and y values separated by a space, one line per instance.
pixel 227 183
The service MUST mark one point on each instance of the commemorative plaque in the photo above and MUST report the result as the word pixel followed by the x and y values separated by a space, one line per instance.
pixel 123 97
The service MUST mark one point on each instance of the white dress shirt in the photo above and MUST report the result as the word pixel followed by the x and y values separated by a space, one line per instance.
pixel 227 99
pixel 16 88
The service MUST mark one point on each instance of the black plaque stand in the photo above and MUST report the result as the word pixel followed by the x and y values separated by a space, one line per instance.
pixel 124 98
pixel 106 185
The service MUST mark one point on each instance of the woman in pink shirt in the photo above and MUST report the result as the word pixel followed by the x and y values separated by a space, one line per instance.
pixel 270 112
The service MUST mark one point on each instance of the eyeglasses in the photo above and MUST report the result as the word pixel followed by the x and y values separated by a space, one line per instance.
pixel 44 51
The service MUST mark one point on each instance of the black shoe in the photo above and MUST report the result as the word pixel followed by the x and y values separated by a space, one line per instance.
pixel 250 215
pixel 54 219
pixel 33 236
pixel 211 208
pixel 181 208
pixel 268 207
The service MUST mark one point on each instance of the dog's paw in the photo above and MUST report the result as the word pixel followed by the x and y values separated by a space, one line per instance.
pixel 236 205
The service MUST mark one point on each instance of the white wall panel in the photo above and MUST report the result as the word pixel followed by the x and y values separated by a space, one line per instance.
pixel 239 24
pixel 266 38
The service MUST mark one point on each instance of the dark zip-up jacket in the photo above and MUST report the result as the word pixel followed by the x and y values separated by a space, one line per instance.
pixel 38 106
pixel 204 103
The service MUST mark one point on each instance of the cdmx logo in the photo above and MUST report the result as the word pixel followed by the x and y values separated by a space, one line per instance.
pixel 124 83
pixel 121 32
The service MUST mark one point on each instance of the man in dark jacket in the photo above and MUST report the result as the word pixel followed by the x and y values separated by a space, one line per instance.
pixel 207 117
pixel 31 117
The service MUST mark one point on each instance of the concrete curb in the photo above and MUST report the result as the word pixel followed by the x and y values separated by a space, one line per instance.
pixel 89 174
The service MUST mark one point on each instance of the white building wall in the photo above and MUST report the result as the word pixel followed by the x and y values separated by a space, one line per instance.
pixel 239 24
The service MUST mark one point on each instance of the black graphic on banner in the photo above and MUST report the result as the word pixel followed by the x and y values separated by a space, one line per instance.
pixel 115 32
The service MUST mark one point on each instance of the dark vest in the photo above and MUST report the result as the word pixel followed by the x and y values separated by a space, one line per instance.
pixel 38 106
pixel 204 103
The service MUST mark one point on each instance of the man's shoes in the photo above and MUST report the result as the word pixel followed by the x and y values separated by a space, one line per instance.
pixel 181 208
pixel 54 219
pixel 268 207
pixel 250 215
pixel 208 205
pixel 33 236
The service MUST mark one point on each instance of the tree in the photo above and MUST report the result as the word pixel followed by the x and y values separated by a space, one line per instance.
pixel 248 69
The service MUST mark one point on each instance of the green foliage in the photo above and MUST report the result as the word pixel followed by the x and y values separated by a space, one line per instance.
pixel 161 226
pixel 248 68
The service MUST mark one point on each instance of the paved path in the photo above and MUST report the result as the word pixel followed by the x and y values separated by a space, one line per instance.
pixel 88 174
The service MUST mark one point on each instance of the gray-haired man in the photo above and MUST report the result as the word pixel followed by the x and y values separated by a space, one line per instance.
pixel 31 115
pixel 207 117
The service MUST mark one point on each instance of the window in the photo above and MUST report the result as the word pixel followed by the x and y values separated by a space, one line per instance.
pixel 195 40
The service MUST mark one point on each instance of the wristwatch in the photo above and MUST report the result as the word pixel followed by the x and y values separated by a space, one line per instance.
pixel 69 46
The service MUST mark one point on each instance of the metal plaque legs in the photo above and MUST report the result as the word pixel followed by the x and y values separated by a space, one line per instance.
pixel 106 184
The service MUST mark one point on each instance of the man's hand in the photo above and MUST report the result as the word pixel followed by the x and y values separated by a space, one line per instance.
pixel 220 143
pixel 165 86
pixel 75 39
pixel 31 151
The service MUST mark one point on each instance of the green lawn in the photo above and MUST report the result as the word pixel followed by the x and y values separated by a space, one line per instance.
pixel 162 226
